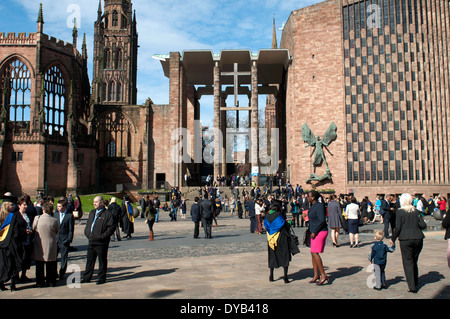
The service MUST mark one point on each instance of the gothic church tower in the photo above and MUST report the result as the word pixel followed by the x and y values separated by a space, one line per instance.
pixel 115 54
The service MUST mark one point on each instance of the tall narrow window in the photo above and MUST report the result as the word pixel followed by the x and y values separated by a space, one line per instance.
pixel 119 59
pixel 54 101
pixel 111 91
pixel 119 92
pixel 115 18
pixel 107 58
pixel 16 78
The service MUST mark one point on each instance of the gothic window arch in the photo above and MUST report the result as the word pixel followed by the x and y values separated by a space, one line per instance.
pixel 111 91
pixel 55 101
pixel 114 133
pixel 108 59
pixel 119 59
pixel 104 91
pixel 16 85
pixel 123 22
pixel 115 18
pixel 119 92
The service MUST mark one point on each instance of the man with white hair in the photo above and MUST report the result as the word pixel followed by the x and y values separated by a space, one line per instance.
pixel 99 228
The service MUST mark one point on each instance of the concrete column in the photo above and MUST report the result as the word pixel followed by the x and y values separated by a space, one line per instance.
pixel 217 126
pixel 254 151
pixel 223 128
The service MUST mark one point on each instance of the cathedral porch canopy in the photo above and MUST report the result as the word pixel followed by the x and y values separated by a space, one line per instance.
pixel 199 65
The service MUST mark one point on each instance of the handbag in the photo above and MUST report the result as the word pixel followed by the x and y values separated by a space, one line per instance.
pixel 307 238
pixel 294 242
pixel 305 215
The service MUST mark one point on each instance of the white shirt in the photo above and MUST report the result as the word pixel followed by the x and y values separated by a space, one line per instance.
pixel 258 209
pixel 352 211
pixel 420 205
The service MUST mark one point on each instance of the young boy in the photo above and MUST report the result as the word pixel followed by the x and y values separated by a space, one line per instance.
pixel 378 257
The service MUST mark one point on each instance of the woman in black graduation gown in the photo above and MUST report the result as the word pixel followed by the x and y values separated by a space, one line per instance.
pixel 12 234
pixel 280 246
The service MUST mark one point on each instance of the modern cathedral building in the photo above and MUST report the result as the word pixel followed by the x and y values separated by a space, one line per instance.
pixel 358 90
pixel 380 71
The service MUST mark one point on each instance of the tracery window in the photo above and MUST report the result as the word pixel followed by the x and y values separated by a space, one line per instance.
pixel 16 81
pixel 54 101
pixel 114 133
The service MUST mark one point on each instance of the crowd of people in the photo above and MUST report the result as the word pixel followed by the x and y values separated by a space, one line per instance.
pixel 35 232
pixel 401 216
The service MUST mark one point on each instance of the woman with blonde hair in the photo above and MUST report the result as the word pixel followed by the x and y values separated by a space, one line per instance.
pixel 12 233
pixel 409 225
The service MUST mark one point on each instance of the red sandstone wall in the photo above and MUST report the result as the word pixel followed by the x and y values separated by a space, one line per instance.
pixel 315 89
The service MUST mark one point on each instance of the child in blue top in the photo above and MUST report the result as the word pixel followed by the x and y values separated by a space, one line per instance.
pixel 378 257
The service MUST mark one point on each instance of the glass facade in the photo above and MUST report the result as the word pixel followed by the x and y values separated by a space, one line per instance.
pixel 396 90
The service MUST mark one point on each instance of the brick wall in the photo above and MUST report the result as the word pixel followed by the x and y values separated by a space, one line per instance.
pixel 315 90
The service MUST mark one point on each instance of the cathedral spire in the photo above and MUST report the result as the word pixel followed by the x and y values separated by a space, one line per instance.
pixel 99 11
pixel 84 48
pixel 40 20
pixel 75 33
pixel 274 35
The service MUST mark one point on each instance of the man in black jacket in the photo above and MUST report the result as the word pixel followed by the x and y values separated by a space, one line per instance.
pixel 196 218
pixel 99 228
pixel 116 211
pixel 65 234
pixel 206 213
pixel 386 211
pixel 252 215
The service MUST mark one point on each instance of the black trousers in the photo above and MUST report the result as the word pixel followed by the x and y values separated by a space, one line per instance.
pixel 207 225
pixel 46 273
pixel 252 224
pixel 410 255
pixel 196 229
pixel 94 251
pixel 64 251
pixel 388 219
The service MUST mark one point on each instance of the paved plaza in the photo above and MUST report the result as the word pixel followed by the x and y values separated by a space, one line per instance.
pixel 233 265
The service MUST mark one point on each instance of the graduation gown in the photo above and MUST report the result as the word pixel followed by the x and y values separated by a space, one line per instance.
pixel 11 248
pixel 278 239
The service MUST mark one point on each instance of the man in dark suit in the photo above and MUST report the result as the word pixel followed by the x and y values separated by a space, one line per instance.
pixel 65 235
pixel 386 211
pixel 195 215
pixel 99 228
pixel 206 213
pixel 252 215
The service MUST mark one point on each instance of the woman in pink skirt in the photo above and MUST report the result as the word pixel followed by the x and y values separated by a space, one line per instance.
pixel 319 232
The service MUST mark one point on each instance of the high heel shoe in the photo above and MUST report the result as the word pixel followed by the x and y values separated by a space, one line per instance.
pixel 286 280
pixel 322 282
pixel 314 280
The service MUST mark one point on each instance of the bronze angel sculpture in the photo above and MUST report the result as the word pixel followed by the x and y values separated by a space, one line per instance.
pixel 309 138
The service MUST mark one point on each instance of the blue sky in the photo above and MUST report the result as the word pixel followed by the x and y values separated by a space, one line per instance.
pixel 163 26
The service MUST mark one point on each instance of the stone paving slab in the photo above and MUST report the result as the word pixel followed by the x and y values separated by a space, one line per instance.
pixel 233 266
